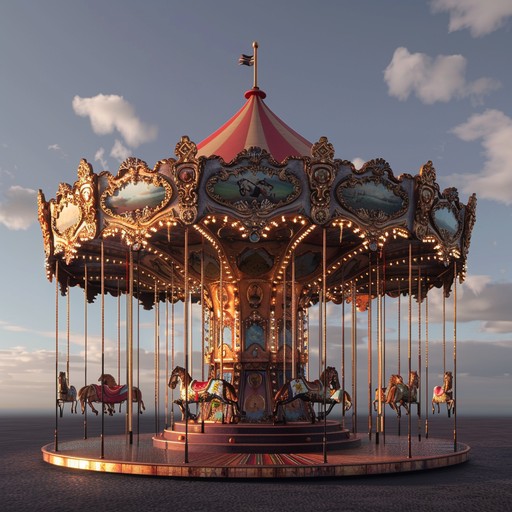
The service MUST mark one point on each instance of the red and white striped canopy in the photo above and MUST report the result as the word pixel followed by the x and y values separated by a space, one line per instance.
pixel 255 125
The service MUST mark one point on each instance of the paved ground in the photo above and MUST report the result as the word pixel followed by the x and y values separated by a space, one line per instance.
pixel 29 484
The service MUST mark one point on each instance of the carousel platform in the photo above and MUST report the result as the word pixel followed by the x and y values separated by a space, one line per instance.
pixel 234 451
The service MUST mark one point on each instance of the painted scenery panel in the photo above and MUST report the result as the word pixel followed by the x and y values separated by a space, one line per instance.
pixel 253 188
pixel 446 220
pixel 370 195
pixel 68 217
pixel 135 196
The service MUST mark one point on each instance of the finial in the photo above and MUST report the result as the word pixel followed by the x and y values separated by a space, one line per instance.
pixel 251 60
pixel 255 81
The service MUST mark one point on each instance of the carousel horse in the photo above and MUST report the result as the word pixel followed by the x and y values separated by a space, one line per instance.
pixel 200 392
pixel 326 390
pixel 381 393
pixel 65 393
pixel 109 393
pixel 401 395
pixel 444 394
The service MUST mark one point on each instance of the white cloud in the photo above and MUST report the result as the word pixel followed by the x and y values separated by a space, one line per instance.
pixel 477 283
pixel 432 80
pixel 57 149
pixel 99 157
pixel 480 17
pixel 120 152
pixel 109 113
pixel 358 162
pixel 494 128
pixel 19 208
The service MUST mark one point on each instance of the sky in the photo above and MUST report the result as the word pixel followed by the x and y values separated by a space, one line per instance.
pixel 404 81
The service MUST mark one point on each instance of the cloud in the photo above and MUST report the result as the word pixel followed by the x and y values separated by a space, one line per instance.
pixel 494 129
pixel 109 113
pixel 19 208
pixel 432 80
pixel 358 162
pixel 479 17
pixel 120 152
pixel 99 157
pixel 57 149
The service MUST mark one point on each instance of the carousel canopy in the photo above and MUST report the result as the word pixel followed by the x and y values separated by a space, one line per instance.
pixel 248 202
pixel 254 125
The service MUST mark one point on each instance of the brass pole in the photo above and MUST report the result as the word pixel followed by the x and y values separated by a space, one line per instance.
pixel 185 336
pixel 409 344
pixel 454 384
pixel 56 434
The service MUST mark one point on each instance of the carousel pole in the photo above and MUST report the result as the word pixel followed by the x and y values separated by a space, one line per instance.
pixel 185 336
pixel 324 337
pixel 370 423
pixel 202 310
pixel 354 359
pixel 294 321
pixel 380 358
pixel 118 332
pixel 86 334
pixel 166 399
pixel 68 326
pixel 426 365
pixel 102 272
pixel 454 384
pixel 201 291
pixel 409 343
pixel 221 318
pixel 418 391
pixel 399 339
pixel 343 349
pixel 157 357
pixel 284 326
pixel 172 342
pixel 129 354
pixel 56 431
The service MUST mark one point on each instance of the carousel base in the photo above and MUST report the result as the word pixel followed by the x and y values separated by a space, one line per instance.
pixel 297 437
pixel 213 455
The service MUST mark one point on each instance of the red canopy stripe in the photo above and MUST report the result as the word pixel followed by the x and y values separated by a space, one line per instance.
pixel 254 125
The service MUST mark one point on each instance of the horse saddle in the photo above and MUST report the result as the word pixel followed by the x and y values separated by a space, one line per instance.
pixel 301 386
pixel 198 386
pixel 438 391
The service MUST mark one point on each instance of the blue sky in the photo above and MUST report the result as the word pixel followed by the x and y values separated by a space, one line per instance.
pixel 404 81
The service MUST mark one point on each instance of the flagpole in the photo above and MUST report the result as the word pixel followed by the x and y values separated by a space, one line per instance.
pixel 255 47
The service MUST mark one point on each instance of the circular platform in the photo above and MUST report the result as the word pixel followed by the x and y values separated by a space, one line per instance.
pixel 164 455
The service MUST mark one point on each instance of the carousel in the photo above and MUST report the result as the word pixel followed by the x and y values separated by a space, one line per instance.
pixel 262 238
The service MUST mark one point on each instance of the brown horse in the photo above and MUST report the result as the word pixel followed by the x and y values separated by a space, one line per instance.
pixel 194 391
pixel 444 394
pixel 326 390
pixel 65 393
pixel 109 393
pixel 401 395
pixel 381 393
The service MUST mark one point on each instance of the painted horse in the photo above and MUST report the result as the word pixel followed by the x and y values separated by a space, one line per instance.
pixel 65 393
pixel 402 395
pixel 444 394
pixel 326 390
pixel 200 392
pixel 109 393
pixel 381 393
pixel 260 188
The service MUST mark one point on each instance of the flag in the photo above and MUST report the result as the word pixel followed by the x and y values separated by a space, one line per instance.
pixel 246 60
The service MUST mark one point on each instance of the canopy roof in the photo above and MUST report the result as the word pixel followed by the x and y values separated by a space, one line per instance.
pixel 255 125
